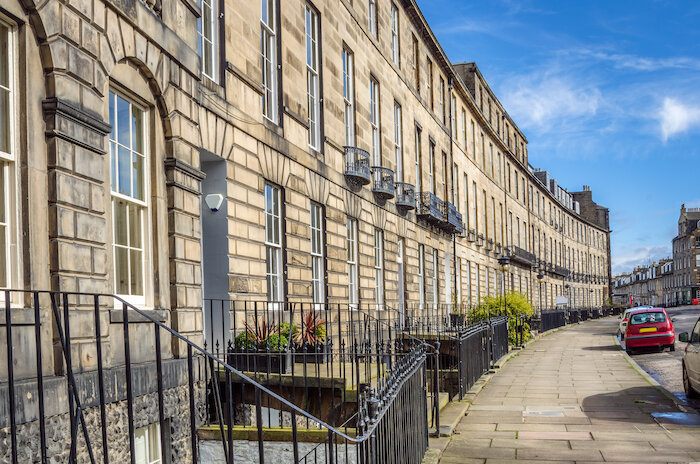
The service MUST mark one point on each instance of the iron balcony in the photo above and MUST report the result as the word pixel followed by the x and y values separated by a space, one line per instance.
pixel 522 256
pixel 431 208
pixel 383 182
pixel 561 271
pixel 405 195
pixel 454 219
pixel 357 165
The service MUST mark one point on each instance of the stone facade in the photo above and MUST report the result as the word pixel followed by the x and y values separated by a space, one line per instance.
pixel 72 62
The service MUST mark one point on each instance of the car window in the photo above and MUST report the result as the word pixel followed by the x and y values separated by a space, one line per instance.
pixel 695 336
pixel 647 318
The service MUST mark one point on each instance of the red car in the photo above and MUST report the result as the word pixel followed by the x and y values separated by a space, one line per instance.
pixel 649 328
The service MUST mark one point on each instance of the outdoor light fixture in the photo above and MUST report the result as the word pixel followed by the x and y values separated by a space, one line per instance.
pixel 214 201
pixel 504 262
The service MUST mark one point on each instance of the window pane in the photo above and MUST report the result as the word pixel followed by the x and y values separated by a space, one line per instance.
pixel 120 223
pixel 113 165
pixel 136 267
pixel 5 114
pixel 3 256
pixel 121 270
pixel 137 177
pixel 135 226
pixel 4 55
pixel 124 168
pixel 137 129
pixel 123 116
pixel 154 442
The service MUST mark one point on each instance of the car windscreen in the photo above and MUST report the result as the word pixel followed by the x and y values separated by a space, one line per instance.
pixel 648 318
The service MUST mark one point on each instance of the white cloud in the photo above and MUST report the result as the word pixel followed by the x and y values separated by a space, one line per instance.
pixel 544 99
pixel 676 117
pixel 630 257
pixel 644 63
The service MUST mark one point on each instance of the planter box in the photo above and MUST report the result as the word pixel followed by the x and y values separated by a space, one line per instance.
pixel 457 320
pixel 312 354
pixel 256 361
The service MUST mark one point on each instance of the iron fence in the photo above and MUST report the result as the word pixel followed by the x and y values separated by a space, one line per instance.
pixel 499 337
pixel 552 319
pixel 104 369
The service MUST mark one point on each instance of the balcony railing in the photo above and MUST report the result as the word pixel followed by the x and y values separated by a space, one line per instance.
pixel 454 219
pixel 405 195
pixel 522 256
pixel 561 271
pixel 357 168
pixel 383 182
pixel 431 208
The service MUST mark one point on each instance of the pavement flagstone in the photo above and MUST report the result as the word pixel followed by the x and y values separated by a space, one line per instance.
pixel 571 397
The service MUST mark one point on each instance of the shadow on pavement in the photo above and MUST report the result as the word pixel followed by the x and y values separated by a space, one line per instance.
pixel 602 348
pixel 635 405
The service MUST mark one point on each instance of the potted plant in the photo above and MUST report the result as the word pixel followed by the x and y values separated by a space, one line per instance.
pixel 262 346
pixel 312 338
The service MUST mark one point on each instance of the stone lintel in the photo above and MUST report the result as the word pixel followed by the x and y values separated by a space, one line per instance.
pixel 68 122
pixel 182 175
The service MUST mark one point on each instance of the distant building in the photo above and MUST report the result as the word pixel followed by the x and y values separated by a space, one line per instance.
pixel 686 257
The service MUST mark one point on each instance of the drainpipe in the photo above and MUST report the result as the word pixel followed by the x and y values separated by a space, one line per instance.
pixel 452 191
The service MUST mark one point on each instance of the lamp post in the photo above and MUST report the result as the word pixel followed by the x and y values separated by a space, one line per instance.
pixel 504 262
pixel 568 294
pixel 540 277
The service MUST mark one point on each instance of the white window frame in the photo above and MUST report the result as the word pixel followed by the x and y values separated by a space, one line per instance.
pixel 208 37
pixel 348 97
pixel 143 205
pixel 372 17
pixel 421 276
pixel 268 57
pixel 149 433
pixel 441 90
pixel 318 258
pixel 375 120
pixel 274 245
pixel 7 164
pixel 431 168
pixel 398 141
pixel 418 159
pixel 353 263
pixel 379 268
pixel 313 76
pixel 436 299
pixel 458 265
pixel 395 40
pixel 464 129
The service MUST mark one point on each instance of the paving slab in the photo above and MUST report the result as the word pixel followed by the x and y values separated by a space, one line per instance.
pixel 570 396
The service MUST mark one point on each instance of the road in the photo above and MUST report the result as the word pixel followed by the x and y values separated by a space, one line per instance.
pixel 665 367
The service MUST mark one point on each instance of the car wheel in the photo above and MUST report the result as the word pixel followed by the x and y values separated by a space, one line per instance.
pixel 629 351
pixel 672 347
pixel 689 390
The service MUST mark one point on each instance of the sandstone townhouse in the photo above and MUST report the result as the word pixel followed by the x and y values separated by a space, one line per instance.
pixel 326 151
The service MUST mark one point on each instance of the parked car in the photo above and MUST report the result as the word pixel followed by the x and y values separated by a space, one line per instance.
pixel 649 328
pixel 625 317
pixel 691 361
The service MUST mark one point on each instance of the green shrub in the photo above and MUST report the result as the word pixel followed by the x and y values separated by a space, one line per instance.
pixel 245 341
pixel 320 333
pixel 276 343
pixel 516 304
pixel 286 332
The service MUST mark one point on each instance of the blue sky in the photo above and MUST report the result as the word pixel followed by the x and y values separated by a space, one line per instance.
pixel 608 95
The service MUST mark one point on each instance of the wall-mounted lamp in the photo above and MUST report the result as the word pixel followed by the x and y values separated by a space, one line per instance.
pixel 214 201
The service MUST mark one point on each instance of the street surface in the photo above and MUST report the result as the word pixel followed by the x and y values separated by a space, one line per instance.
pixel 572 397
pixel 665 366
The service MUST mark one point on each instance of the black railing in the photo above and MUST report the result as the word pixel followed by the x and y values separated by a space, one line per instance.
pixel 522 256
pixel 383 182
pixel 86 372
pixel 552 319
pixel 431 208
pixel 454 219
pixel 499 337
pixel 357 167
pixel 561 271
pixel 405 195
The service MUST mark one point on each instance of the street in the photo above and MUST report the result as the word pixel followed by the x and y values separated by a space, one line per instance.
pixel 665 366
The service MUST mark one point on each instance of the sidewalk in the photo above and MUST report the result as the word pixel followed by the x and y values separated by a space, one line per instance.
pixel 572 397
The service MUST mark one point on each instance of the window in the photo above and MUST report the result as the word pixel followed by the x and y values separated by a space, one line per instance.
pixel 318 258
pixel 493 173
pixel 353 275
pixel 129 177
pixel 416 66
pixel 395 52
pixel 7 151
pixel 312 78
pixel 207 34
pixel 453 122
pixel 458 278
pixel 435 278
pixel 473 141
pixel 486 214
pixel 398 142
pixel 273 243
pixel 441 96
pixel 466 202
pixel 431 98
pixel 421 276
pixel 349 98
pixel 147 445
pixel 379 268
pixel 372 17
pixel 455 187
pixel 476 207
pixel 464 129
pixel 268 51
pixel 418 161
pixel 431 160
pixel 374 121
